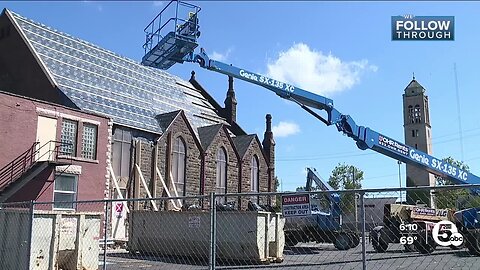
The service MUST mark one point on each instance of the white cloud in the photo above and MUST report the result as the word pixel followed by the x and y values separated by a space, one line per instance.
pixel 284 129
pixel 315 71
pixel 221 56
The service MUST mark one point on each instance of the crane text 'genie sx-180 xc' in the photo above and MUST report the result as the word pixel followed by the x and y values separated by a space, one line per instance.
pixel 178 46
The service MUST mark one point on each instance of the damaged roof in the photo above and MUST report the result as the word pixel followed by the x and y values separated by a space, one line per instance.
pixel 100 81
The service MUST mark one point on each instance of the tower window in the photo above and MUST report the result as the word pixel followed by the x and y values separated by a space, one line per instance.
pixel 417 115
pixel 427 113
pixel 410 114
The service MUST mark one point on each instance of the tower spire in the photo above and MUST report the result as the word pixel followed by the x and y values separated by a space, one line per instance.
pixel 230 103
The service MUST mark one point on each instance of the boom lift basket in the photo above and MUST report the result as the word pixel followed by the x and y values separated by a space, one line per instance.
pixel 171 35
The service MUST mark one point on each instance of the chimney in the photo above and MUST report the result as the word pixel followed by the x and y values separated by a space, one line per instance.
pixel 269 148
pixel 230 103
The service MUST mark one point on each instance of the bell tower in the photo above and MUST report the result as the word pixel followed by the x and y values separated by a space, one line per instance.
pixel 418 134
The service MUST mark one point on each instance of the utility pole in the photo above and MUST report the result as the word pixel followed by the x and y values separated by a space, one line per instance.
pixel 355 198
pixel 400 179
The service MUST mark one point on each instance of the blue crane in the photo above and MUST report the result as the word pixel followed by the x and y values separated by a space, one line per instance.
pixel 178 46
pixel 324 225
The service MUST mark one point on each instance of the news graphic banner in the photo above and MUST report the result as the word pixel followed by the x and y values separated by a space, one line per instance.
pixel 296 205
pixel 411 27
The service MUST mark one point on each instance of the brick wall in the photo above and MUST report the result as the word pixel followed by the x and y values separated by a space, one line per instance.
pixel 221 140
pixel 15 138
pixel 193 186
pixel 179 128
pixel 253 149
pixel 144 161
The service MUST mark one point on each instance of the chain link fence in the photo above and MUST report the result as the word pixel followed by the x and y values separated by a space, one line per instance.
pixel 359 229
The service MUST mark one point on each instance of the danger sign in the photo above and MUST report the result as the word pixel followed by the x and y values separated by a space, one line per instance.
pixel 119 209
pixel 296 205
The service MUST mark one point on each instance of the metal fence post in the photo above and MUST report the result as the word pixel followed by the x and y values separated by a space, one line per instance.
pixel 364 242
pixel 213 217
pixel 30 232
pixel 105 237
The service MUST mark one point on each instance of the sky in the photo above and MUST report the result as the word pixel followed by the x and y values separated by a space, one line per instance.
pixel 342 50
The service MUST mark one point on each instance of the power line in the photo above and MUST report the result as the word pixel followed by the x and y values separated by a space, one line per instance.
pixel 458 110
pixel 352 153
pixel 324 157
pixel 454 133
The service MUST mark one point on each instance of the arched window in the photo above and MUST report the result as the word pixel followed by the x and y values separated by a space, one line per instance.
pixel 221 179
pixel 417 114
pixel 178 165
pixel 254 174
pixel 410 114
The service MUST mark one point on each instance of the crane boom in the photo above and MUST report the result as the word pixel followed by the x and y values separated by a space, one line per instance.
pixel 364 137
pixel 162 50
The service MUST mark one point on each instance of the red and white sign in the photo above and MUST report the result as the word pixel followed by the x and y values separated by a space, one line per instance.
pixel 296 205
pixel 119 209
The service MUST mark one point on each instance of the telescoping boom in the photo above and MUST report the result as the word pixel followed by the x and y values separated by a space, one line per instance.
pixel 364 137
pixel 178 46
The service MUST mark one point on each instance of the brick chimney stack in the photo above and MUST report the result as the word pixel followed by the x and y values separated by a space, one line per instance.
pixel 230 103
pixel 269 148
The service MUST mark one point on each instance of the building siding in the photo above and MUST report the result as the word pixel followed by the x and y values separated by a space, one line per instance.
pixel 18 131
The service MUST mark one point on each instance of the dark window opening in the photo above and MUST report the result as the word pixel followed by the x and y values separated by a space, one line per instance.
pixel 122 142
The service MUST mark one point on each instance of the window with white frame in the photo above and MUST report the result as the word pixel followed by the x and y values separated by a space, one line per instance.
pixel 178 165
pixel 221 178
pixel 68 137
pixel 254 174
pixel 65 191
pixel 89 141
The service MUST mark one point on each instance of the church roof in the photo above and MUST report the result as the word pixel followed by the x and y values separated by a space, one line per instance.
pixel 207 134
pixel 242 143
pixel 100 81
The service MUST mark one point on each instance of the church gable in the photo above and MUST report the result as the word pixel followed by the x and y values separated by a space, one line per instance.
pixel 221 157
pixel 178 157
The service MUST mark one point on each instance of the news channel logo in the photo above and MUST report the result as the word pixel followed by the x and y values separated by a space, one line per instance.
pixel 445 234
pixel 410 27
